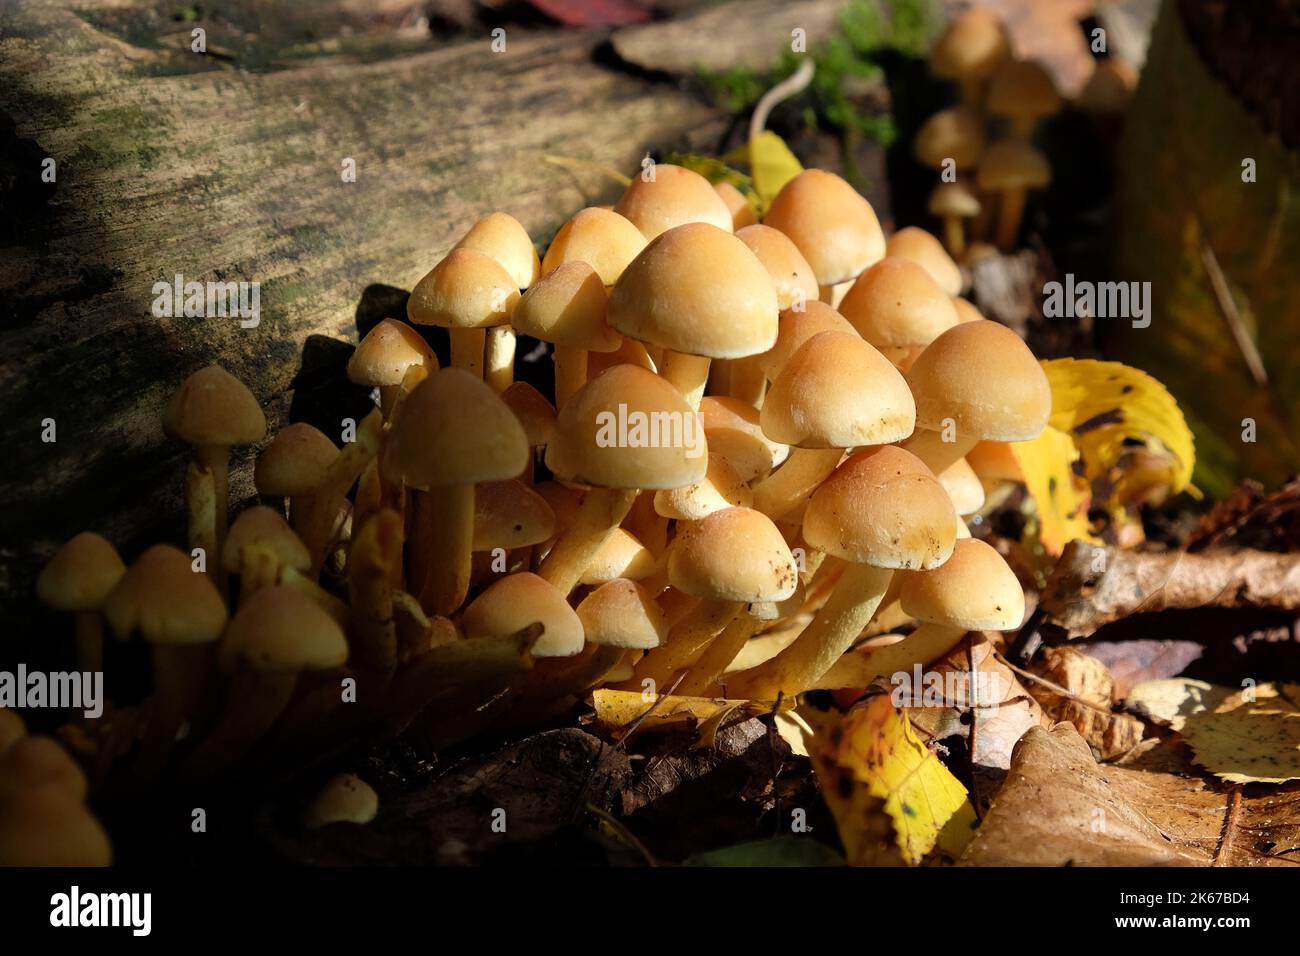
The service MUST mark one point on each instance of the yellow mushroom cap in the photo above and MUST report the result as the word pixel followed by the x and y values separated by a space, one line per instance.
pixel 214 408
pixel 974 590
pixel 621 613
pixel 897 304
pixel 346 798
pixel 965 311
pixel 466 290
pixel 1011 164
pixel 47 826
pixel 454 430
pixel 629 352
pixel 262 530
pixel 838 392
pixel 81 575
pixel 699 290
pixel 295 461
pixel 955 134
pixel 735 434
pixel 535 413
pixel 517 601
pixel 12 728
pixel 721 487
pixel 927 252
pixel 568 308
pixel 38 761
pixel 736 554
pixel 834 227
pixel 668 196
pixel 502 237
pixel 1023 90
pixel 972 47
pixel 995 461
pixel 884 508
pixel 166 600
pixel 742 213
pixel 628 428
pixel 281 629
pixel 983 377
pixel 797 327
pixel 508 514
pixel 953 199
pixel 621 556
pixel 792 276
pixel 963 487
pixel 387 352
pixel 599 237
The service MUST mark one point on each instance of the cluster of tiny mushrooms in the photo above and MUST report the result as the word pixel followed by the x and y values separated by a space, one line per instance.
pixel 479 549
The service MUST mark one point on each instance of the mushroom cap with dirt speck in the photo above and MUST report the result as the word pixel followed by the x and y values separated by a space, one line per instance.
pixel 673 197
pixel 163 598
pixel 295 461
pixel 897 304
pixel 587 447
pixel 568 308
pixel 599 237
pixel 466 290
pixel 735 434
pixel 346 798
pixel 955 134
pixel 508 514
pixel 38 761
pixel 736 554
pixel 953 199
pixel 699 290
pixel 983 377
pixel 837 391
pixel 535 412
pixel 280 629
pixel 975 590
pixel 386 352
pixel 264 531
pixel 518 601
pixel 1011 164
pixel 721 487
pixel 12 728
pixel 81 575
pixel 742 213
pixel 454 430
pixel 213 408
pixel 622 555
pixel 47 826
pixel 796 328
pixel 884 508
pixel 621 613
pixel 926 251
pixel 832 225
pixel 792 276
pixel 963 487
pixel 502 237
pixel 972 46
pixel 1022 89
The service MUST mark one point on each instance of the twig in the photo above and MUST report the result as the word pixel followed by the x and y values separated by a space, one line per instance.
pixel 1057 688
pixel 614 823
pixel 1228 306
pixel 1229 828
pixel 792 85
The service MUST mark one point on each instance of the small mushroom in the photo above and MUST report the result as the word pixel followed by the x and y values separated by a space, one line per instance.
pixel 954 202
pixel 466 293
pixel 1012 168
pixel 599 237
pixel 536 415
pixel 48 826
pixel 293 466
pixel 896 304
pixel 970 49
pixel 1023 93
pixel 721 487
pixel 384 356
pixel 742 213
pixel 259 546
pixel 672 197
pixel 621 556
pixel 732 429
pixel 346 798
pixel 917 245
pixel 951 138
pixel 78 580
pixel 328 497
pixel 516 601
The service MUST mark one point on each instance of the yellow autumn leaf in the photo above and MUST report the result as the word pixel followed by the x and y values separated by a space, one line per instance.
pixel 1060 495
pixel 771 165
pixel 1252 737
pixel 892 799
pixel 622 708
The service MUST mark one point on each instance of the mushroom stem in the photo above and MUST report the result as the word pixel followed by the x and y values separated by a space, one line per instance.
pixel 954 236
pixel 90 641
pixel 601 511
pixel 747 381
pixel 846 613
pixel 419 540
pixel 216 459
pixel 378 546
pixel 388 396
pixel 722 650
pixel 928 643
pixel 467 347
pixel 253 704
pixel 570 372
pixel 688 636
pixel 689 374
pixel 178 680
pixel 937 454
pixel 797 478
pixel 201 494
pixel 1010 209
pixel 328 497
pixel 451 538
pixel 500 357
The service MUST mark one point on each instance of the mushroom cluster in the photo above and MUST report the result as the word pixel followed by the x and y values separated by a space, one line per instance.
pixel 732 480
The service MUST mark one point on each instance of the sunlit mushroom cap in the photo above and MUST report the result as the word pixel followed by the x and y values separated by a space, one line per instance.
pixel 672 196
pixel 699 290
pixel 953 199
pixel 837 391
pixel 735 434
pixel 47 826
pixel 212 407
pixel 621 613
pixel 884 508
pixel 736 554
pixel 622 555
pixel 535 413
pixel 466 290
pixel 282 629
pixel 346 798
pixel 927 252
pixel 1023 90
pixel 742 213
pixel 966 312
pixel 974 589
pixel 629 352
pixel 834 227
pixel 662 445
pixel 721 487
pixel 599 237
pixel 972 46
pixel 295 461
pixel 387 352
pixel 502 237
pixel 897 304
pixel 262 530
pixel 568 307
pixel 163 598
pixel 983 377
pixel 963 487
pixel 81 575
pixel 792 276
pixel 508 514
pixel 796 328
pixel 955 134
pixel 515 602
pixel 454 430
